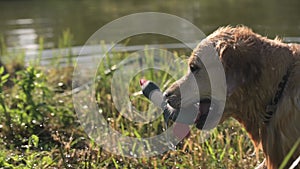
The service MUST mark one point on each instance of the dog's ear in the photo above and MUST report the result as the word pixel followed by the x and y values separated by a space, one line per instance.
pixel 242 65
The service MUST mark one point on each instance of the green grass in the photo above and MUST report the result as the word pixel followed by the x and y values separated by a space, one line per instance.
pixel 39 127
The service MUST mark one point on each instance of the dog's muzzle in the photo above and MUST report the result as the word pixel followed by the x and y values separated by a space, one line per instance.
pixel 191 114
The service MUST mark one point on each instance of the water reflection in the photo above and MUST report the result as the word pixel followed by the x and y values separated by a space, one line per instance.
pixel 20 22
pixel 24 37
pixel 24 34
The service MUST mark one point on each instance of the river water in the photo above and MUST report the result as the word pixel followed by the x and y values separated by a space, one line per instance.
pixel 22 22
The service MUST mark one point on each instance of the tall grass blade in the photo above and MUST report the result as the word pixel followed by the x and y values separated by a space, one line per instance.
pixel 290 154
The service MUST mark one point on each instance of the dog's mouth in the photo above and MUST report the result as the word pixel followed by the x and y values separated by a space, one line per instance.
pixel 194 114
pixel 204 107
pixel 197 114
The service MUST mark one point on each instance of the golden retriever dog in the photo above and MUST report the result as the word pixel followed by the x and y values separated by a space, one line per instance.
pixel 263 89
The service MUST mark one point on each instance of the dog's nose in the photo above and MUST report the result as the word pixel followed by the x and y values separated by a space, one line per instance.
pixel 166 94
pixel 170 98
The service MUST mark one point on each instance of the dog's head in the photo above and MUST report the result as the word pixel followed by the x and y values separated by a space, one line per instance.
pixel 238 52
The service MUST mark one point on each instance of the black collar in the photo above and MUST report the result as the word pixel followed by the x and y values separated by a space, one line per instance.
pixel 272 106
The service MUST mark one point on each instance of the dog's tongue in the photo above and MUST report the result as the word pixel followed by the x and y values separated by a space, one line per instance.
pixel 181 130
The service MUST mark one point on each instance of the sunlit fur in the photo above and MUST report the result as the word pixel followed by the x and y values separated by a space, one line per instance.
pixel 254 66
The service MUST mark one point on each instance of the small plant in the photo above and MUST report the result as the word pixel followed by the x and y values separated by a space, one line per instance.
pixel 3 107
pixel 32 95
pixel 65 43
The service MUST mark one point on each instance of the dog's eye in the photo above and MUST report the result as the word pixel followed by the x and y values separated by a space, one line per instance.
pixel 194 68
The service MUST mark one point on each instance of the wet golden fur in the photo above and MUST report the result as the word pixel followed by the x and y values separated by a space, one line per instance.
pixel 254 66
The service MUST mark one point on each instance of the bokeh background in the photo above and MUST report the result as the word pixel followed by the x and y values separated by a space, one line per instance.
pixel 22 22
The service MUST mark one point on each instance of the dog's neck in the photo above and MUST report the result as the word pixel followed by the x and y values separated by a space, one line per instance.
pixel 250 107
